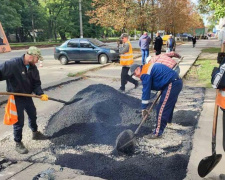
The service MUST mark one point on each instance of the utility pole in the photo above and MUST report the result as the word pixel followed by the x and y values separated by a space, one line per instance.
pixel 81 23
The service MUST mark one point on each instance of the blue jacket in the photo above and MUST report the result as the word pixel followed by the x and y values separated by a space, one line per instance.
pixel 19 79
pixel 158 78
pixel 144 42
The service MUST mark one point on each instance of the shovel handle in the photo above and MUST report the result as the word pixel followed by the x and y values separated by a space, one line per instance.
pixel 31 95
pixel 215 117
pixel 20 94
pixel 149 110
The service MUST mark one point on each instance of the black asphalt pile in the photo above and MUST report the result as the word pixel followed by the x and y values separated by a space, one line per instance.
pixel 99 117
pixel 84 135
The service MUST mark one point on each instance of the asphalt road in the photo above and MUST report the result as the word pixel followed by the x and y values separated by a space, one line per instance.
pixel 47 53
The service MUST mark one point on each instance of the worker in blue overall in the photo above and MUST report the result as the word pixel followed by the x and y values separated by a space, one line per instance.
pixel 158 77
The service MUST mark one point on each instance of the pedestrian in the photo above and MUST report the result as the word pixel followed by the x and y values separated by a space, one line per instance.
pixel 22 76
pixel 158 44
pixel 144 43
pixel 126 60
pixel 171 43
pixel 159 77
pixel 194 40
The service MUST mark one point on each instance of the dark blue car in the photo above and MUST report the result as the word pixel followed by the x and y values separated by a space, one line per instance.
pixel 89 49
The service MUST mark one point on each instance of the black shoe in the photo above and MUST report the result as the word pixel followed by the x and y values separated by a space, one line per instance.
pixel 20 148
pixel 38 136
pixel 152 136
pixel 136 85
pixel 121 90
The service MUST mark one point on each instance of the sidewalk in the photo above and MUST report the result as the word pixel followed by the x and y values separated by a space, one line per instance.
pixel 202 139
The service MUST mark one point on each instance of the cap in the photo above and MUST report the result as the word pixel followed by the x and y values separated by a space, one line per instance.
pixel 133 68
pixel 124 35
pixel 35 51
pixel 171 35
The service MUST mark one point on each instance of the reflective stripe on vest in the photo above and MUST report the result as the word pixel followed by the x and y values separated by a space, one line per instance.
pixel 127 58
pixel 11 116
pixel 220 99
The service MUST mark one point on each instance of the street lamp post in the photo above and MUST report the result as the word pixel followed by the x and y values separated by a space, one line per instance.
pixel 81 23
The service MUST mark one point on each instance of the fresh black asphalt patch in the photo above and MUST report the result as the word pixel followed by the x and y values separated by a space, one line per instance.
pixel 83 135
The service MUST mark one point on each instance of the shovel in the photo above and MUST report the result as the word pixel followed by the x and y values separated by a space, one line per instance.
pixel 207 164
pixel 127 139
pixel 36 96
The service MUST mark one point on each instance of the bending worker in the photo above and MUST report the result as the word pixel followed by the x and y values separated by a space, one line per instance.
pixel 159 77
pixel 22 76
pixel 126 59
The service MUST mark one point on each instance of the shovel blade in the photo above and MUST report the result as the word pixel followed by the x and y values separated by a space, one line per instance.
pixel 207 164
pixel 125 142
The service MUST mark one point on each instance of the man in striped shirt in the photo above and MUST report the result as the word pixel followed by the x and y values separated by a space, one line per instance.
pixel 159 77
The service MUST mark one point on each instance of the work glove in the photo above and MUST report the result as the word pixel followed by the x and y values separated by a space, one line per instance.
pixel 144 113
pixel 44 97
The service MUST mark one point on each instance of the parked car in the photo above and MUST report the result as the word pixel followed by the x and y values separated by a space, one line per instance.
pixel 80 49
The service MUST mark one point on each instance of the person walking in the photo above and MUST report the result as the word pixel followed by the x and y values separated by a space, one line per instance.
pixel 22 76
pixel 159 77
pixel 144 43
pixel 158 44
pixel 171 43
pixel 194 40
pixel 126 60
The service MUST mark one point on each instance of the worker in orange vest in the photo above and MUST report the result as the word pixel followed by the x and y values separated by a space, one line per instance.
pixel 22 76
pixel 126 60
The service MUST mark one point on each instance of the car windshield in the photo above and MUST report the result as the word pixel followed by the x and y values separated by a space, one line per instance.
pixel 96 42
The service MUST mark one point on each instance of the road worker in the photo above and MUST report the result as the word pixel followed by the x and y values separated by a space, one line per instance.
pixel 159 77
pixel 22 76
pixel 126 60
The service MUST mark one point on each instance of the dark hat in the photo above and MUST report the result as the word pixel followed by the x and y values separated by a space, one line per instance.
pixel 133 68
pixel 124 35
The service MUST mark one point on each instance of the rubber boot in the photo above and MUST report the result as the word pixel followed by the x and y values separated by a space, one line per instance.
pixel 20 148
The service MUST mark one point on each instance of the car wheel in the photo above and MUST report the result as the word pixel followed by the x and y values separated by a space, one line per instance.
pixel 63 60
pixel 77 62
pixel 103 59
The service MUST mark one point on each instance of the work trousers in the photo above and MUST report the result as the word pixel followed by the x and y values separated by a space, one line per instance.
pixel 27 104
pixel 166 105
pixel 145 54
pixel 126 77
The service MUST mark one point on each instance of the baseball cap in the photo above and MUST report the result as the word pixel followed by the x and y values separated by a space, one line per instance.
pixel 124 35
pixel 35 51
pixel 133 67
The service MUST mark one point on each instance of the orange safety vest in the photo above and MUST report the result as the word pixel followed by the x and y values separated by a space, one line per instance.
pixel 146 69
pixel 127 59
pixel 220 98
pixel 11 116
